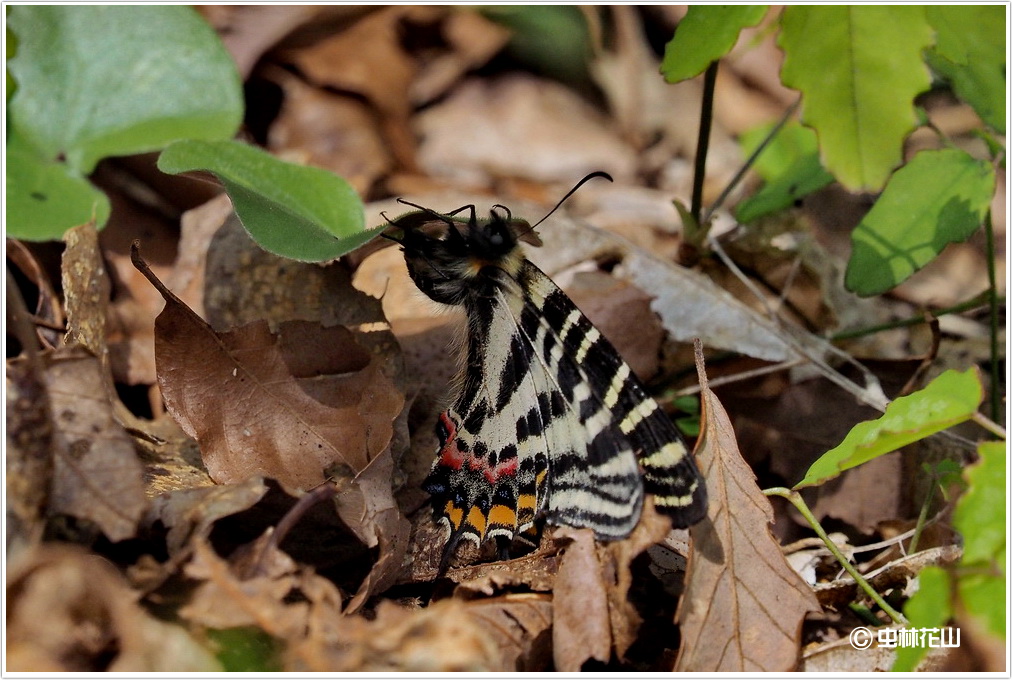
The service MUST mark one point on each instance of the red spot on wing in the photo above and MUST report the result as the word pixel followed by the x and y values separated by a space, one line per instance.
pixel 503 469
pixel 450 455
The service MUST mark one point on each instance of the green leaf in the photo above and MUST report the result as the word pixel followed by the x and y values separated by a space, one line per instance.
pixel 938 198
pixel 789 164
pixel 552 40
pixel 983 596
pixel 291 210
pixel 44 198
pixel 247 649
pixel 980 513
pixel 970 54
pixel 929 607
pixel 97 81
pixel 948 400
pixel 706 34
pixel 859 69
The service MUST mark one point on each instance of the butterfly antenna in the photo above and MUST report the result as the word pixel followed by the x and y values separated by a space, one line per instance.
pixel 572 191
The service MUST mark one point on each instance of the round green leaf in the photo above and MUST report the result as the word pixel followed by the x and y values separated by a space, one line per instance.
pixel 295 211
pixel 706 34
pixel 96 81
pixel 44 199
pixel 938 198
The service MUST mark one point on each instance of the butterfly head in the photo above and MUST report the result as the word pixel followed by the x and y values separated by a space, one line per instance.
pixel 451 258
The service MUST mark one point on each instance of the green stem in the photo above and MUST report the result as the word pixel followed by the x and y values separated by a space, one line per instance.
pixel 993 300
pixel 922 518
pixel 751 160
pixel 795 499
pixel 703 143
pixel 977 301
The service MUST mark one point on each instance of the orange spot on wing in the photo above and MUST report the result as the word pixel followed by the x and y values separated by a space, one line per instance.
pixel 454 514
pixel 501 515
pixel 477 520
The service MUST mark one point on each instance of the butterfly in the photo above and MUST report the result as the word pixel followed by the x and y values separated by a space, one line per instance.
pixel 548 422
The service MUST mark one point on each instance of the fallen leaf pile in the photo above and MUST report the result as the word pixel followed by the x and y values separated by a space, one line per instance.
pixel 214 455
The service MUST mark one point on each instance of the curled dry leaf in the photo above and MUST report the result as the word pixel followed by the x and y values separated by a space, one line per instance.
pixel 189 514
pixel 96 473
pixel 581 629
pixel 520 624
pixel 70 610
pixel 29 454
pixel 743 604
pixel 286 406
pixel 444 637
pixel 274 599
pixel 48 307
pixel 593 613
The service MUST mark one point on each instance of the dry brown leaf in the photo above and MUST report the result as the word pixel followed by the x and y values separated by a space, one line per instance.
pixel 29 454
pixel 520 624
pixel 70 610
pixel 743 604
pixel 338 133
pixel 581 629
pixel 286 406
pixel 274 599
pixel 618 556
pixel 368 58
pixel 471 39
pixel 96 474
pixel 593 613
pixel 48 307
pixel 191 513
pixel 444 637
pixel 518 126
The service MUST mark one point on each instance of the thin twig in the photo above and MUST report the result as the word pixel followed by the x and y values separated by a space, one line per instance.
pixel 744 375
pixel 981 300
pixel 750 161
pixel 872 394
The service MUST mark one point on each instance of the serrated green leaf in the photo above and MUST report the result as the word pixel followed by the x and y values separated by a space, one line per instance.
pixel 929 607
pixel 44 198
pixel 789 164
pixel 939 197
pixel 980 513
pixel 970 54
pixel 706 34
pixel 948 400
pixel 295 211
pixel 983 596
pixel 982 582
pixel 859 68
pixel 96 81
